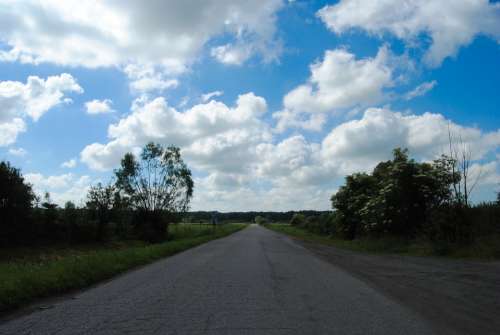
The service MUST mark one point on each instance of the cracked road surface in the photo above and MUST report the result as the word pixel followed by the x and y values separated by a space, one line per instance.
pixel 252 282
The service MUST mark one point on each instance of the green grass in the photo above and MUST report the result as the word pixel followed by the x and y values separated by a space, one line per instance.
pixel 24 279
pixel 385 245
pixel 487 248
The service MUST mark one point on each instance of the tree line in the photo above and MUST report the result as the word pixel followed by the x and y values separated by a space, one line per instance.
pixel 409 200
pixel 400 197
pixel 149 192
pixel 247 217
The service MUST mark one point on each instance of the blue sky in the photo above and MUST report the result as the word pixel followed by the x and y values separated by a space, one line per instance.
pixel 304 92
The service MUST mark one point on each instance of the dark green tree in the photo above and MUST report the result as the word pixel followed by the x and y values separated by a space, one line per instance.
pixel 260 220
pixel 158 186
pixel 120 213
pixel 70 217
pixel 50 218
pixel 100 202
pixel 16 197
pixel 298 220
pixel 398 198
pixel 350 201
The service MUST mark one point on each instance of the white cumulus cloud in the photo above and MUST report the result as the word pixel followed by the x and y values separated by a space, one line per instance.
pixel 211 134
pixel 358 145
pixel 236 156
pixel 338 82
pixel 449 24
pixel 30 100
pixel 69 163
pixel 165 35
pixel 99 106
pixel 147 79
pixel 62 188
pixel 231 54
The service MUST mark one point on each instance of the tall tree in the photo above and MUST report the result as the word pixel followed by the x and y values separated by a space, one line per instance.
pixel 16 197
pixel 461 158
pixel 158 185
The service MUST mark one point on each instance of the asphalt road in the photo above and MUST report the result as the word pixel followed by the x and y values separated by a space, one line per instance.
pixel 458 296
pixel 252 282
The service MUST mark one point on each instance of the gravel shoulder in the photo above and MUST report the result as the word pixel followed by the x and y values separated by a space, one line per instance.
pixel 456 296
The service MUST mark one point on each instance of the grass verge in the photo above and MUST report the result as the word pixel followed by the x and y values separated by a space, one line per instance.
pixel 22 281
pixel 484 248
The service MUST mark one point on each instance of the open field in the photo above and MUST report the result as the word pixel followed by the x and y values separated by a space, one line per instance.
pixel 28 274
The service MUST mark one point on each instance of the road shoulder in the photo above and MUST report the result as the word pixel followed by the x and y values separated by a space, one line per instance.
pixel 457 297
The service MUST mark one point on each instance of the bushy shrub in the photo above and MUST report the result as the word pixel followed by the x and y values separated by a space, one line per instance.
pixel 324 224
pixel 260 220
pixel 298 220
pixel 408 200
pixel 397 198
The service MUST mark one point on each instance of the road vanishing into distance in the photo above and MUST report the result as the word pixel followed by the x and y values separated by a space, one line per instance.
pixel 252 282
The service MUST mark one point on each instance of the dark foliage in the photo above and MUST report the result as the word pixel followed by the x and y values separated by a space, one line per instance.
pixel 16 197
pixel 108 215
pixel 398 198
pixel 247 217
pixel 406 200
pixel 158 187
pixel 323 224
pixel 100 202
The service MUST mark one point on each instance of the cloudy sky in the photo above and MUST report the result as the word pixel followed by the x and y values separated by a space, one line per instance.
pixel 272 102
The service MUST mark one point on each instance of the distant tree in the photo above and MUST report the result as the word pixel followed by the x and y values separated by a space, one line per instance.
pixel 50 216
pixel 70 216
pixel 119 213
pixel 37 201
pixel 16 197
pixel 100 202
pixel 460 155
pixel 47 202
pixel 158 186
pixel 260 220
pixel 298 220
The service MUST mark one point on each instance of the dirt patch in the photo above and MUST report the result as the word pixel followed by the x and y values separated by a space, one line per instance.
pixel 458 297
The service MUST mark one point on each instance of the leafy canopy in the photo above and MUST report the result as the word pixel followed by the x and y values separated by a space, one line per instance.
pixel 15 193
pixel 158 181
pixel 396 198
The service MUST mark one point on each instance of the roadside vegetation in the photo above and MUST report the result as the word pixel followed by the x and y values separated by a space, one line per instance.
pixel 147 194
pixel 407 207
pixel 137 218
pixel 30 274
pixel 485 248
